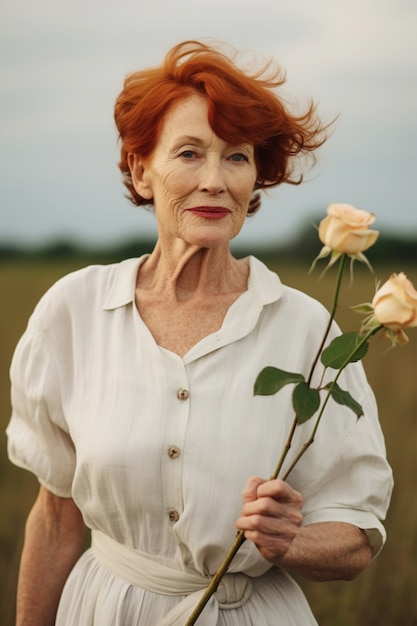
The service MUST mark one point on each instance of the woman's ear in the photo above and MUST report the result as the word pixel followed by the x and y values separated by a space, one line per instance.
pixel 139 178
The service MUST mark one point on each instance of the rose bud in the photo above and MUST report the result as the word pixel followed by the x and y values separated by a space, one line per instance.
pixel 346 229
pixel 395 303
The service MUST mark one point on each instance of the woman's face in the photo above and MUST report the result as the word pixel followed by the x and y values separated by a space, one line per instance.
pixel 201 186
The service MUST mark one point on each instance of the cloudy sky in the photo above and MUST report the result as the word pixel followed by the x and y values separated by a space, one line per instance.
pixel 62 65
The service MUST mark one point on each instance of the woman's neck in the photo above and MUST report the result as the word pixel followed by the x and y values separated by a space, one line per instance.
pixel 188 271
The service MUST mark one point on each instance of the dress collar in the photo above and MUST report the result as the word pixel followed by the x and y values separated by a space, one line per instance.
pixel 121 283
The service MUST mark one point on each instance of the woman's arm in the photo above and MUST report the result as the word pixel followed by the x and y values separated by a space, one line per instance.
pixel 271 518
pixel 53 542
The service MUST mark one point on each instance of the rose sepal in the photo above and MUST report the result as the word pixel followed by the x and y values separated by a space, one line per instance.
pixel 325 252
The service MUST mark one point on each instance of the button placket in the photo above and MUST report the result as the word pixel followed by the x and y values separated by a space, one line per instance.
pixel 174 440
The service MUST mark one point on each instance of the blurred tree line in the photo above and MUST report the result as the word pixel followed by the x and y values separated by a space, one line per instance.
pixel 302 247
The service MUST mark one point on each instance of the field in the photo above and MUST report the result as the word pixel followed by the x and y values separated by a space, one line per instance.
pixel 384 595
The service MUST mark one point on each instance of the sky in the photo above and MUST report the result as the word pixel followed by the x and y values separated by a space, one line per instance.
pixel 62 65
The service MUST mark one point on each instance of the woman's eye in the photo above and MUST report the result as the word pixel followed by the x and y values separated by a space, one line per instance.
pixel 239 157
pixel 188 154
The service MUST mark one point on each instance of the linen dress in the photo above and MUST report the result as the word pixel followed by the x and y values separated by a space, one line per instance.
pixel 155 449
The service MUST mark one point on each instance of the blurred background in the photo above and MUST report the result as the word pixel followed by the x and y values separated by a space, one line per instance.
pixel 62 204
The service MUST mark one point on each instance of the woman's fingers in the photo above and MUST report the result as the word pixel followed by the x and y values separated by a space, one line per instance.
pixel 271 515
pixel 258 491
pixel 250 491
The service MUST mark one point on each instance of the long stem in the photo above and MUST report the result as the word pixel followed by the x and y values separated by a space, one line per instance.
pixel 316 358
pixel 309 441
pixel 332 314
pixel 285 450
pixel 215 581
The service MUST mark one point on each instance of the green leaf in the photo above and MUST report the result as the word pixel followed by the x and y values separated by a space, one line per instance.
pixel 305 401
pixel 271 379
pixel 343 397
pixel 343 350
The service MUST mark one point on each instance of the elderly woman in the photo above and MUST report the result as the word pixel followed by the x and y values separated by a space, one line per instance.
pixel 132 387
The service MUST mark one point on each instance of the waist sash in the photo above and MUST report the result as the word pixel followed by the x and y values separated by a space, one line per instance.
pixel 141 570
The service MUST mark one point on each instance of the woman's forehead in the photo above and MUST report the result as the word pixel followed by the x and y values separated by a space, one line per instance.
pixel 188 120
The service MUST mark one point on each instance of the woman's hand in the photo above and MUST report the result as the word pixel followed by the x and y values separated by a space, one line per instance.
pixel 271 516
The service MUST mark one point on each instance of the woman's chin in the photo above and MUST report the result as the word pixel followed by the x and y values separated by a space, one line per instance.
pixel 209 241
pixel 211 235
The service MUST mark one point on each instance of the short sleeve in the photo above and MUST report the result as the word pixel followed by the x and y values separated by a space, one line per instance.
pixel 38 438
pixel 350 478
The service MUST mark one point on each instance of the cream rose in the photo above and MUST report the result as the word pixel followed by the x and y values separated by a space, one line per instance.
pixel 395 303
pixel 346 229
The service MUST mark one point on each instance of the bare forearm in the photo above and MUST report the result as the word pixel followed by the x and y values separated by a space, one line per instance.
pixel 271 518
pixel 50 550
pixel 42 575
pixel 328 551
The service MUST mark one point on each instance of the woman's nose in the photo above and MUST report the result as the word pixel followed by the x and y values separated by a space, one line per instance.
pixel 212 178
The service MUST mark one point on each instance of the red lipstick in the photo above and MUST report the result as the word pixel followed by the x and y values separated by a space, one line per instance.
pixel 210 212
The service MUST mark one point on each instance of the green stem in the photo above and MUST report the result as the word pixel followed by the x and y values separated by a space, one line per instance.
pixel 316 358
pixel 215 581
pixel 309 441
pixel 332 314
pixel 285 449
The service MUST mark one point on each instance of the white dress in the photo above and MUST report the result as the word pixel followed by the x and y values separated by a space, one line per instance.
pixel 155 449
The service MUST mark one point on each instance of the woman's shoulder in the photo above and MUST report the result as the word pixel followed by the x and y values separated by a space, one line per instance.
pixel 304 301
pixel 96 274
pixel 283 296
pixel 85 287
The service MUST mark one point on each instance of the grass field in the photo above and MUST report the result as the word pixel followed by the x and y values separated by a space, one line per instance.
pixel 384 595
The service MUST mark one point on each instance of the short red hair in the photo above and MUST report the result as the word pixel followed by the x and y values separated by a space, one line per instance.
pixel 242 107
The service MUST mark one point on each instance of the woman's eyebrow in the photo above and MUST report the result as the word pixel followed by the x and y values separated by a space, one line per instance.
pixel 189 139
pixel 186 140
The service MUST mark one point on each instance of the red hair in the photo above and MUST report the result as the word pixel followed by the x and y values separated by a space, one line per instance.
pixel 242 107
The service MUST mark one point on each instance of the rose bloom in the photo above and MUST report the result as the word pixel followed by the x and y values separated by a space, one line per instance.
pixel 346 229
pixel 395 303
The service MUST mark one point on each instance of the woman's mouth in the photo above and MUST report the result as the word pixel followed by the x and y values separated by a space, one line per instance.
pixel 210 212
